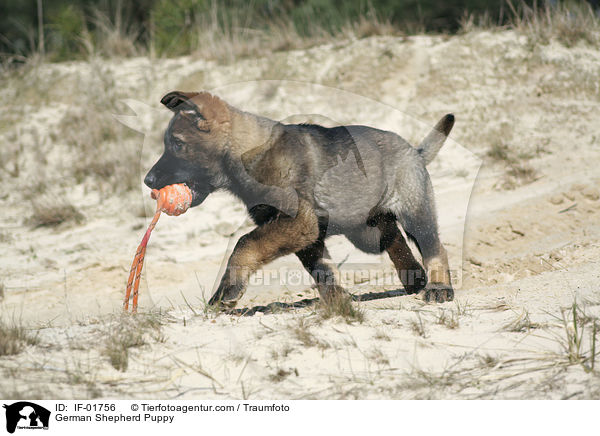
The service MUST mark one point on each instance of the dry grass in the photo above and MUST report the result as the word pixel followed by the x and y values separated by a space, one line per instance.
pixel 463 308
pixel 488 361
pixel 382 335
pixel 14 338
pixel 378 356
pixel 533 373
pixel 567 22
pixel 97 150
pixel 418 327
pixel 226 45
pixel 113 37
pixel 500 152
pixel 577 350
pixel 84 374
pixel 281 374
pixel 523 173
pixel 225 34
pixel 103 151
pixel 240 39
pixel 129 332
pixel 281 353
pixel 341 306
pixel 448 318
pixel 301 331
pixel 238 356
pixel 521 323
pixel 222 34
pixel 51 211
pixel 518 171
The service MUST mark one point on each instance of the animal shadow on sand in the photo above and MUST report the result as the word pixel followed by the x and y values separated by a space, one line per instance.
pixel 279 306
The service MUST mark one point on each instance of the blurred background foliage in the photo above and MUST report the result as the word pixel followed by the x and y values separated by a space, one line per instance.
pixel 74 29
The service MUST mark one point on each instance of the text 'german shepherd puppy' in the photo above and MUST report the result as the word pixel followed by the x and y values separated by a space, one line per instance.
pixel 302 183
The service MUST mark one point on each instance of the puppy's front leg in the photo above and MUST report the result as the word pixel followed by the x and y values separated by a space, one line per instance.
pixel 262 245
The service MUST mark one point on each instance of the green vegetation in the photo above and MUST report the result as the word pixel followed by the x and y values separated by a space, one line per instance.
pixel 75 29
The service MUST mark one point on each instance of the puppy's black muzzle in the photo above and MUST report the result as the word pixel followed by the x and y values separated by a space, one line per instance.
pixel 150 180
pixel 170 170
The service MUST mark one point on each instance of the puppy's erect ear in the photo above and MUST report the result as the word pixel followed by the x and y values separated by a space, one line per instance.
pixel 179 101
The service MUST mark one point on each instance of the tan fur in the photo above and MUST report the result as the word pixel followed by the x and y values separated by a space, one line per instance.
pixel 248 131
pixel 438 269
pixel 215 110
pixel 270 241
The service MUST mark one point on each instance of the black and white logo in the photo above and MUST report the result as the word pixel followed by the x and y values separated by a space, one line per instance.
pixel 26 415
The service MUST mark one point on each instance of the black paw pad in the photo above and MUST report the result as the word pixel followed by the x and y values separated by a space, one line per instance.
pixel 438 292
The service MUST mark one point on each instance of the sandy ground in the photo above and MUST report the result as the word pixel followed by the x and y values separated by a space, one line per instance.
pixel 524 245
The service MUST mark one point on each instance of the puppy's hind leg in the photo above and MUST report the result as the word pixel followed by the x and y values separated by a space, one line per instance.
pixel 422 228
pixel 409 270
pixel 440 286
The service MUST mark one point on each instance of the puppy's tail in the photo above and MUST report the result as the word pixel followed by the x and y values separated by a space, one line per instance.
pixel 433 142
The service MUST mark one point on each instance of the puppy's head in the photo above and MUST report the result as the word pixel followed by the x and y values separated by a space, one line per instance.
pixel 195 140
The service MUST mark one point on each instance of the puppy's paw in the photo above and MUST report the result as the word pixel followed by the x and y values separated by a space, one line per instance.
pixel 227 295
pixel 438 292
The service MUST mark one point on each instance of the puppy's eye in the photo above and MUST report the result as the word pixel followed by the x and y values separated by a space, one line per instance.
pixel 177 146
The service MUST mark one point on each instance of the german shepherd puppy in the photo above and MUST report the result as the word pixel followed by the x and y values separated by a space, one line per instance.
pixel 302 183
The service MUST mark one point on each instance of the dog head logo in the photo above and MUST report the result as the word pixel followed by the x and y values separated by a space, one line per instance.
pixel 26 415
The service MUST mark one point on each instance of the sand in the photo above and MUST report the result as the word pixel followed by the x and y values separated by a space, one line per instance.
pixel 523 245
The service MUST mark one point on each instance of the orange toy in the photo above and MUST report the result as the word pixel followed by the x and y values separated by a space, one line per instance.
pixel 172 200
